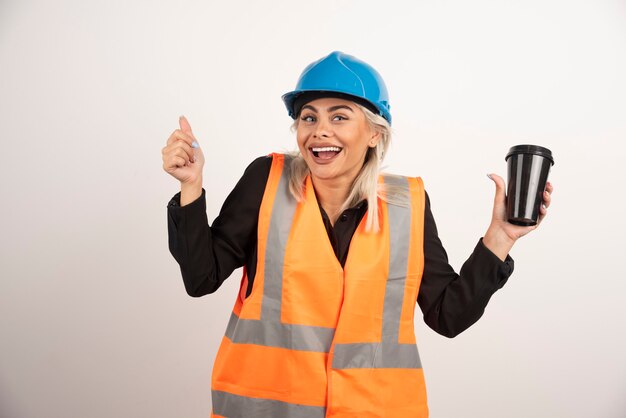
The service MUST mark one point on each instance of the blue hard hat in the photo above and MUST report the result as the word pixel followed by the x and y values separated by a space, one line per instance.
pixel 343 74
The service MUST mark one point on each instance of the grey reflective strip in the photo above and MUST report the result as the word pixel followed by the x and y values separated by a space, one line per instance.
pixel 388 353
pixel 278 234
pixel 275 334
pixel 399 237
pixel 269 331
pixel 235 406
pixel 376 356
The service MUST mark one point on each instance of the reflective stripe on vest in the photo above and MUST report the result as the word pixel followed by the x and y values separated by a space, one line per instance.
pixel 230 405
pixel 269 331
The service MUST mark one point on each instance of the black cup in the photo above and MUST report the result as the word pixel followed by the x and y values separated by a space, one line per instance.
pixel 528 167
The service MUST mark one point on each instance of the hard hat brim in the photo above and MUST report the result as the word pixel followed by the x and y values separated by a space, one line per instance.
pixel 293 100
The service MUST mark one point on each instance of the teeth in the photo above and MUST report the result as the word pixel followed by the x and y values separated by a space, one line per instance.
pixel 323 149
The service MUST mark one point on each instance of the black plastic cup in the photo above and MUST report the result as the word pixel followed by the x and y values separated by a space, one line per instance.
pixel 528 167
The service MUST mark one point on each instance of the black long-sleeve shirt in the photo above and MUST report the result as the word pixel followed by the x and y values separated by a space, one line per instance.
pixel 207 255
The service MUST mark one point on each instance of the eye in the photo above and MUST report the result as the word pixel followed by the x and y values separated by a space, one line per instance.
pixel 307 118
pixel 339 117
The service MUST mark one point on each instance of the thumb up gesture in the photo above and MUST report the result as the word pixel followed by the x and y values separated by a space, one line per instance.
pixel 182 156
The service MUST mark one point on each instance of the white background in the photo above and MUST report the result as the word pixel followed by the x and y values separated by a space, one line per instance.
pixel 94 319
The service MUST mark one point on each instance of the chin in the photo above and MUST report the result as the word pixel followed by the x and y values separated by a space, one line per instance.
pixel 322 173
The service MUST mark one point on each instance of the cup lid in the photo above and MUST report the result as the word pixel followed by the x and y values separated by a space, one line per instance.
pixel 530 149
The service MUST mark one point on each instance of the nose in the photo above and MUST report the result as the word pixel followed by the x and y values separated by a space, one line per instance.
pixel 322 129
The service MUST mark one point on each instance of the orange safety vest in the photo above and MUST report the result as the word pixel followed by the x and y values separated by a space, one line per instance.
pixel 313 339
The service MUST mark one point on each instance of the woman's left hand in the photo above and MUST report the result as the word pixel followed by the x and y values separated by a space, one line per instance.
pixel 501 234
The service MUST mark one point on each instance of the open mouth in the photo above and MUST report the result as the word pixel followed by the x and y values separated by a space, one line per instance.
pixel 325 153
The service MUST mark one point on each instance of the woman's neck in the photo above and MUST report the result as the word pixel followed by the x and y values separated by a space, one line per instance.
pixel 331 194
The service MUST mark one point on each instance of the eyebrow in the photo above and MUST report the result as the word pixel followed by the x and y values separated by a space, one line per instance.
pixel 330 109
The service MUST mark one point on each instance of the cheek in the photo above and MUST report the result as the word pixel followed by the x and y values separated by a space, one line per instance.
pixel 301 136
pixel 300 140
pixel 358 141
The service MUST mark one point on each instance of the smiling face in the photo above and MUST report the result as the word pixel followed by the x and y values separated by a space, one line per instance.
pixel 334 136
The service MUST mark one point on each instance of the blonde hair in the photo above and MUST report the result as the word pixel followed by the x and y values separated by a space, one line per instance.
pixel 365 185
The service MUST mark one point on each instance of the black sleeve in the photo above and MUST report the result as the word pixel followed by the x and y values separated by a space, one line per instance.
pixel 452 302
pixel 208 255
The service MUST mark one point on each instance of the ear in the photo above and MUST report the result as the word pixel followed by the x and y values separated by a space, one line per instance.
pixel 374 139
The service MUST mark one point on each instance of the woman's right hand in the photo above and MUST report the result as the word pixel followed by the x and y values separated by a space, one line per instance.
pixel 180 158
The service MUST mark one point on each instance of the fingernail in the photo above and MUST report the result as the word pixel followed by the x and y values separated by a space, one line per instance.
pixel 489 175
pixel 194 144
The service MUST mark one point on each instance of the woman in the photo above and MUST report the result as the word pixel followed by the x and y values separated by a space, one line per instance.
pixel 335 256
